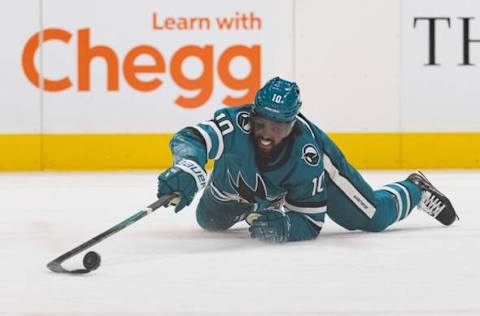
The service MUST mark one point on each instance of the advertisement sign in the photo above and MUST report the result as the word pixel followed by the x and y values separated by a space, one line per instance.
pixel 151 66
pixel 96 85
pixel 440 66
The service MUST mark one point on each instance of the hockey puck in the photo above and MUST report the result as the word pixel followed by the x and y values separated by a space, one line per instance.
pixel 91 260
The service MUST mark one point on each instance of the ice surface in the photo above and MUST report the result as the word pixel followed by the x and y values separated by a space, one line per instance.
pixel 166 265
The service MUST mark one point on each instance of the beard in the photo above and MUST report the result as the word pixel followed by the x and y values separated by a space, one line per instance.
pixel 267 155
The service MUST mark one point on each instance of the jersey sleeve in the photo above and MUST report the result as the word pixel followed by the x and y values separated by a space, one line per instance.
pixel 213 134
pixel 306 206
pixel 203 141
pixel 188 144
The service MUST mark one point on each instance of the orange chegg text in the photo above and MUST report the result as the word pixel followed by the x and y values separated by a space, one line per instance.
pixel 203 83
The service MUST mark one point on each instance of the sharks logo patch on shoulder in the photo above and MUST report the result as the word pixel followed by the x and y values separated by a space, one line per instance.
pixel 243 121
pixel 310 155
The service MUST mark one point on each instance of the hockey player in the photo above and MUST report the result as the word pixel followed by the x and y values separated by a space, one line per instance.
pixel 280 172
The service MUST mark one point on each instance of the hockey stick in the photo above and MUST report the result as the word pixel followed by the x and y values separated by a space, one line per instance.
pixel 91 261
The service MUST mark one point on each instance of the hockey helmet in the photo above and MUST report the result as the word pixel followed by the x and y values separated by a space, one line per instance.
pixel 278 100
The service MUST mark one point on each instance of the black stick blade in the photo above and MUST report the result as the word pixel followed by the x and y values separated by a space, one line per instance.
pixel 56 266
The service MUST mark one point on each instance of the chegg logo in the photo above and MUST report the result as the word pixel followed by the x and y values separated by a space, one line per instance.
pixel 204 83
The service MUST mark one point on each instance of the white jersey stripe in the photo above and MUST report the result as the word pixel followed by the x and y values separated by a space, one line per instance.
pixel 219 136
pixel 218 194
pixel 305 210
pixel 407 196
pixel 206 138
pixel 398 198
pixel 319 224
pixel 343 184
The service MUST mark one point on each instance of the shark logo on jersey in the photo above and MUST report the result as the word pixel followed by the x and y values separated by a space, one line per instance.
pixel 243 121
pixel 310 155
pixel 245 191
pixel 247 194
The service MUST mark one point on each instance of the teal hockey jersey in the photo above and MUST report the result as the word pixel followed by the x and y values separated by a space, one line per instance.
pixel 294 181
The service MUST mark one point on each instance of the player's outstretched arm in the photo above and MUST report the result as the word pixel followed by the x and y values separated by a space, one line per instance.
pixel 187 176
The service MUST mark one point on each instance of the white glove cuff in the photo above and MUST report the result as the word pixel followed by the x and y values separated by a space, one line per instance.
pixel 193 169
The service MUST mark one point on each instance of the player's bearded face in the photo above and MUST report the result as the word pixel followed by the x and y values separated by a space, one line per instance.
pixel 269 134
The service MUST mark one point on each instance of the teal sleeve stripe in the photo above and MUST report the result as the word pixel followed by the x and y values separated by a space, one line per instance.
pixel 212 137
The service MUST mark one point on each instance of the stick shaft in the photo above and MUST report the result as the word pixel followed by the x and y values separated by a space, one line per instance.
pixel 113 230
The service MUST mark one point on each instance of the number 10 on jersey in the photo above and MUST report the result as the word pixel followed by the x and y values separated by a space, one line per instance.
pixel 318 184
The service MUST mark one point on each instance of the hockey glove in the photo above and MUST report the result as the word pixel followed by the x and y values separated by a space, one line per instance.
pixel 185 178
pixel 270 225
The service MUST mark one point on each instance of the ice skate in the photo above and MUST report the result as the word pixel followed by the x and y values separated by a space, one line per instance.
pixel 433 202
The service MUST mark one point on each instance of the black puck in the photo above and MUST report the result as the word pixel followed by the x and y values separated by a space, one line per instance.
pixel 91 260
